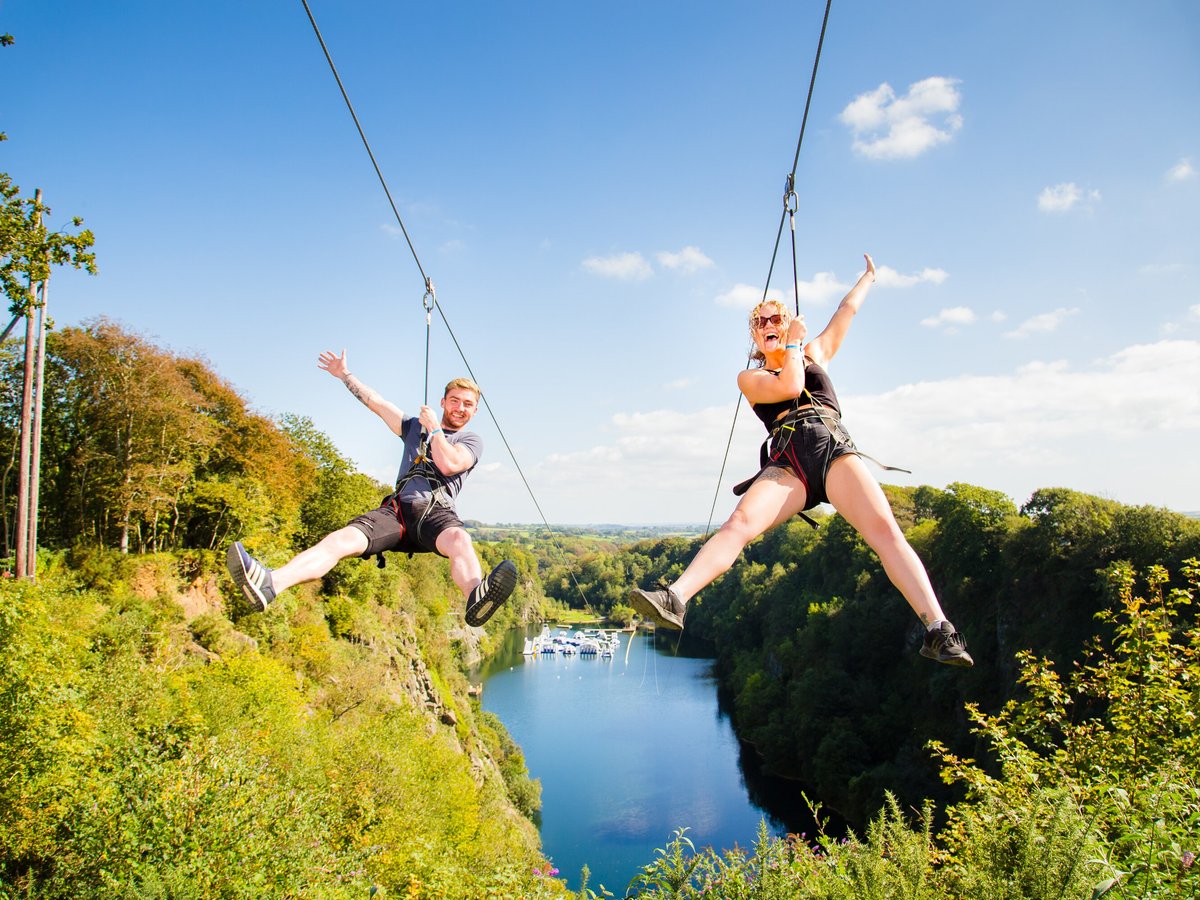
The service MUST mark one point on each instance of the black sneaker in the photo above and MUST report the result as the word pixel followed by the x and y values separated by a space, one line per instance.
pixel 489 595
pixel 946 645
pixel 662 608
pixel 250 575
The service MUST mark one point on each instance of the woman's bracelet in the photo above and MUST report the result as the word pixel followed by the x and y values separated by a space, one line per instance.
pixel 437 431
pixel 791 346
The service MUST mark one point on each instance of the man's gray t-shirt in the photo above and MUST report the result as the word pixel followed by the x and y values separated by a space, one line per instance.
pixel 410 431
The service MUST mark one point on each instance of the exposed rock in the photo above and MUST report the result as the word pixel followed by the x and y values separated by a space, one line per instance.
pixel 200 597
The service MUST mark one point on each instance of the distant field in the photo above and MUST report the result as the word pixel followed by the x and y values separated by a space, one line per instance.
pixel 618 534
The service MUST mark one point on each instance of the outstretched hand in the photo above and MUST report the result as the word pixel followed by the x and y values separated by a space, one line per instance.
pixel 334 364
pixel 870 266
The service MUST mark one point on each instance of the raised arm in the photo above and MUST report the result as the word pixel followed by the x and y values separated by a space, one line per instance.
pixel 825 345
pixel 335 365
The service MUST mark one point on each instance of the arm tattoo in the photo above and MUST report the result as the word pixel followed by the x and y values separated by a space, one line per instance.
pixel 359 390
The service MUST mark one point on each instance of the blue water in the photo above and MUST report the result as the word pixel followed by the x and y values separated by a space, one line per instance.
pixel 627 750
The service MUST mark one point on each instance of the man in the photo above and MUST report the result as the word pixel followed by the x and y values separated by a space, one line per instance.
pixel 418 518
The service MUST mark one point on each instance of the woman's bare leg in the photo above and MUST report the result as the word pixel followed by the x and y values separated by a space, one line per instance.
pixel 856 494
pixel 775 497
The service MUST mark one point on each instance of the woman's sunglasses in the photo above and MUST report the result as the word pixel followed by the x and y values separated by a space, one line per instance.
pixel 764 321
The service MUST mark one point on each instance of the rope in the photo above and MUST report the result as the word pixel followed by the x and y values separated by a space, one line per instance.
pixel 430 300
pixel 789 202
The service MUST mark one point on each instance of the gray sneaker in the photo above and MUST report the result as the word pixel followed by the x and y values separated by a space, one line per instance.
pixel 663 608
pixel 946 645
pixel 250 575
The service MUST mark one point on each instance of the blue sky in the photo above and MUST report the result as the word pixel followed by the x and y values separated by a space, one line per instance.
pixel 594 189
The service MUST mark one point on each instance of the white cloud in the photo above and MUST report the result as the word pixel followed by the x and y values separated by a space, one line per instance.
pixel 823 288
pixel 950 318
pixel 688 260
pixel 623 266
pixel 678 384
pixel 998 316
pixel 745 296
pixel 1043 323
pixel 885 276
pixel 1162 268
pixel 1064 197
pixel 1193 312
pixel 889 127
pixel 1151 385
pixel 1181 171
pixel 1046 423
pixel 658 465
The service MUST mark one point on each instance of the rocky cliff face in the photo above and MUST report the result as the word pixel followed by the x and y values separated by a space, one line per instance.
pixel 389 663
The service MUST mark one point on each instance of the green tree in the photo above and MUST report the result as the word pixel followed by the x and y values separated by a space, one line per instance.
pixel 134 437
pixel 338 493
pixel 28 249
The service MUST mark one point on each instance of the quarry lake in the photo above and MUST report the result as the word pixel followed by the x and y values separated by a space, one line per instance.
pixel 629 748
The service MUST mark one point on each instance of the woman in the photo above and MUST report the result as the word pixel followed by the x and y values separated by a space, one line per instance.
pixel 811 460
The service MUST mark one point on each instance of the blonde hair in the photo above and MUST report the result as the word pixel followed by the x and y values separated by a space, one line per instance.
pixel 464 384
pixel 755 353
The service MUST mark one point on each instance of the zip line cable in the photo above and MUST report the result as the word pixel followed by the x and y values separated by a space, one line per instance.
pixel 429 301
pixel 790 203
pixel 366 144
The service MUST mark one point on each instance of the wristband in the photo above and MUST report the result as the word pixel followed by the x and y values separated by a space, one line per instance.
pixel 437 431
pixel 791 346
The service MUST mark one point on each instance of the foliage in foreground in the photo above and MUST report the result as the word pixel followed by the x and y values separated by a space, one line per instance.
pixel 143 754
pixel 149 755
pixel 1098 793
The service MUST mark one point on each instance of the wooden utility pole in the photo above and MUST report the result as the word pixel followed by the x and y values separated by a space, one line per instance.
pixel 26 540
pixel 35 464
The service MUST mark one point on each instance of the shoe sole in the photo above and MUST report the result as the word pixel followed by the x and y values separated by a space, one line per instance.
pixel 646 608
pixel 492 591
pixel 236 565
pixel 962 660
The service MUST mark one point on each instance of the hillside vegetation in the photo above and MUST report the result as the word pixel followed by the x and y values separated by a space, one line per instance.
pixel 159 739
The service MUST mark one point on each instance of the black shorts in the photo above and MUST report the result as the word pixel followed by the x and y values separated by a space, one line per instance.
pixel 406 526
pixel 807 449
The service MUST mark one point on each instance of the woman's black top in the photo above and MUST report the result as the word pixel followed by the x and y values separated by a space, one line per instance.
pixel 818 391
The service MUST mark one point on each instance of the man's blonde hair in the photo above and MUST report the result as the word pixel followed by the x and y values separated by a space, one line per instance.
pixel 464 384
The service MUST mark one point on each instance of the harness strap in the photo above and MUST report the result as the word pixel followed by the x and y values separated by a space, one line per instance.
pixel 825 414
pixel 422 467
pixel 782 432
